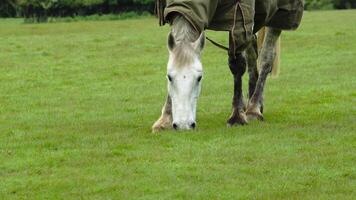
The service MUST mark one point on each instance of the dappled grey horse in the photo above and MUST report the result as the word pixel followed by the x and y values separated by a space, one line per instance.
pixel 242 19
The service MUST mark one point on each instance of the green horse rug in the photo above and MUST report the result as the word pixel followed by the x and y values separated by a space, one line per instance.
pixel 242 18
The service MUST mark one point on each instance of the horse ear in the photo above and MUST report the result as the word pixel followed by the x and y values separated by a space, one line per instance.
pixel 199 44
pixel 171 41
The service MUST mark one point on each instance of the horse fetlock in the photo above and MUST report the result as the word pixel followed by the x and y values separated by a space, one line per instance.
pixel 163 123
pixel 254 112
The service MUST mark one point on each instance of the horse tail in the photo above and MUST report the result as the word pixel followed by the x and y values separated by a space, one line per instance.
pixel 260 39
pixel 277 59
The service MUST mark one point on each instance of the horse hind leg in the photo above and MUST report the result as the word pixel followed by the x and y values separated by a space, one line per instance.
pixel 251 55
pixel 237 67
pixel 266 58
pixel 165 120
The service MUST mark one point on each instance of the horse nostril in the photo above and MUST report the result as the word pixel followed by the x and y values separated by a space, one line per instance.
pixel 175 126
pixel 192 125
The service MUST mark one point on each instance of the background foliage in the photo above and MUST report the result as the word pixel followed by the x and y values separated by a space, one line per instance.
pixel 41 10
pixel 329 4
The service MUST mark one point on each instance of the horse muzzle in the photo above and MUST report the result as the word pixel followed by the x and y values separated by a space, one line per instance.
pixel 184 126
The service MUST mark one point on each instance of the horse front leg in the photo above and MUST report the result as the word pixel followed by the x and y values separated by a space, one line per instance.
pixel 267 55
pixel 165 120
pixel 237 67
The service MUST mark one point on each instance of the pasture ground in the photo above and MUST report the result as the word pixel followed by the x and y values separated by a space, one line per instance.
pixel 77 101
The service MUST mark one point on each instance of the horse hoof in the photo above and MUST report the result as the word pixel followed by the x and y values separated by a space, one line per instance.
pixel 254 116
pixel 159 128
pixel 156 129
pixel 240 119
pixel 161 125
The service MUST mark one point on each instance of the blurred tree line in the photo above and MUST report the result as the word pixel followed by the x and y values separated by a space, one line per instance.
pixel 329 4
pixel 40 10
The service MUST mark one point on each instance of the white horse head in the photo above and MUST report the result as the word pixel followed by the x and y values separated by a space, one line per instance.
pixel 184 74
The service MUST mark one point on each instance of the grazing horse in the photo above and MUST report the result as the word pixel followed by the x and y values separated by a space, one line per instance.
pixel 243 19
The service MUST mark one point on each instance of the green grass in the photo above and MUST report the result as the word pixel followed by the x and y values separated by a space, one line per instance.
pixel 77 101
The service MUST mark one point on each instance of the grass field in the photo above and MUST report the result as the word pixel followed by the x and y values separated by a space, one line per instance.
pixel 77 101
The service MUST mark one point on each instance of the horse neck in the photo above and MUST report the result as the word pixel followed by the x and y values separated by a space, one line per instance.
pixel 183 31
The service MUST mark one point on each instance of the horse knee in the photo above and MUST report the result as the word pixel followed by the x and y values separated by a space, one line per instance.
pixel 266 68
pixel 267 59
pixel 237 64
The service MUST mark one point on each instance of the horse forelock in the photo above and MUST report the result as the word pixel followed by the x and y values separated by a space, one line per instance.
pixel 183 55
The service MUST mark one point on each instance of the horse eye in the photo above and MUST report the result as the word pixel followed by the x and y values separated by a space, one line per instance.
pixel 199 78
pixel 169 78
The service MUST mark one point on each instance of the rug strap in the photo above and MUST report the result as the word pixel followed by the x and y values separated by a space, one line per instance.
pixel 217 44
